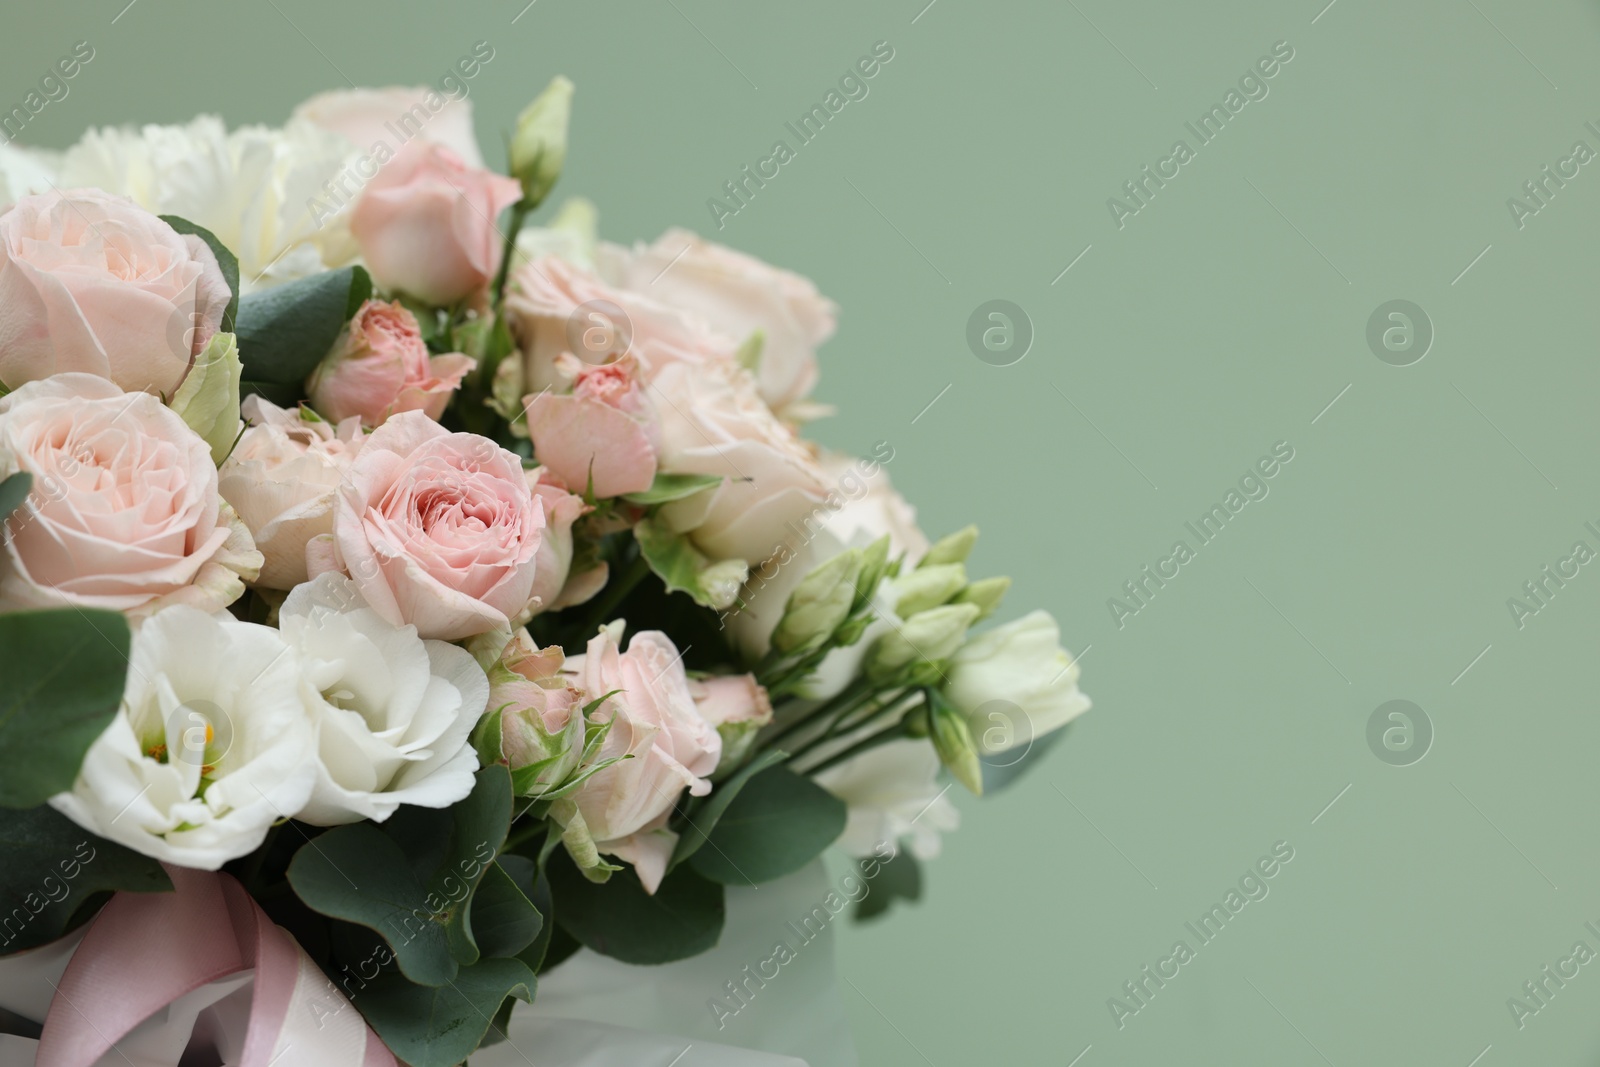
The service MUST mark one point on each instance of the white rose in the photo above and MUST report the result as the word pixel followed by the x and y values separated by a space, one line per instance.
pixel 712 422
pixel 893 792
pixel 211 746
pixel 861 507
pixel 736 295
pixel 282 479
pixel 393 711
pixel 1021 664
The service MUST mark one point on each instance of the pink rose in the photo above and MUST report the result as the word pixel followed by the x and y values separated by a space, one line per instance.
pixel 736 295
pixel 536 702
pixel 124 512
pixel 713 422
pixel 625 807
pixel 426 223
pixel 282 479
pixel 365 117
pixel 554 585
pixel 94 283
pixel 555 307
pixel 380 366
pixel 438 529
pixel 737 707
pixel 603 430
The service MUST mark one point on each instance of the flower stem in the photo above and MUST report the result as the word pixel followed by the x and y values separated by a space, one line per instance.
pixel 890 733
pixel 519 214
pixel 617 591
pixel 849 697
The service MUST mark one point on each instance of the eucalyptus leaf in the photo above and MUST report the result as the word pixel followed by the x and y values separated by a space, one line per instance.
pixel 64 672
pixel 13 491
pixel 619 919
pixel 898 879
pixel 502 920
pixel 52 867
pixel 225 259
pixel 284 332
pixel 441 1026
pixel 701 821
pixel 778 823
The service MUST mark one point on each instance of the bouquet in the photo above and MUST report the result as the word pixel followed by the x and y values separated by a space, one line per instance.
pixel 398 596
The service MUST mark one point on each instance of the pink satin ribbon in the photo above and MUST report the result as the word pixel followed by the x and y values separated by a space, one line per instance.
pixel 146 950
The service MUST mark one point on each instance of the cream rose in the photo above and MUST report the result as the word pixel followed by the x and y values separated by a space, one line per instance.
pixel 92 282
pixel 736 295
pixel 282 480
pixel 439 530
pixel 713 422
pixel 124 512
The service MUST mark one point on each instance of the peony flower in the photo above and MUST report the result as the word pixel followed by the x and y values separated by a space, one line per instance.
pixel 426 223
pixel 603 432
pixel 393 711
pixel 557 307
pixel 737 706
pixel 439 530
pixel 736 295
pixel 282 480
pixel 264 193
pixel 712 422
pixel 893 792
pixel 1016 668
pixel 124 512
pixel 91 282
pixel 390 117
pixel 554 585
pixel 653 719
pixel 380 365
pixel 211 746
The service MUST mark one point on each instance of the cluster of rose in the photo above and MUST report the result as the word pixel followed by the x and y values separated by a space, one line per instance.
pixel 376 594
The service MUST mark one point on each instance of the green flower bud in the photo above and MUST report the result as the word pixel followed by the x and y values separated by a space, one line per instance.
pixel 986 593
pixel 953 741
pixel 749 353
pixel 539 147
pixel 208 399
pixel 819 603
pixel 954 548
pixel 874 566
pixel 925 639
pixel 928 587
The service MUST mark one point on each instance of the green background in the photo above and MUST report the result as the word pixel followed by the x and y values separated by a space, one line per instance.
pixel 1222 318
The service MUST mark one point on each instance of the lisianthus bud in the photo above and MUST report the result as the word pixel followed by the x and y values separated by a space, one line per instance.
pixel 953 548
pixel 819 603
pixel 925 638
pixel 953 741
pixel 874 568
pixel 539 147
pixel 986 593
pixel 208 399
pixel 1022 664
pixel 928 587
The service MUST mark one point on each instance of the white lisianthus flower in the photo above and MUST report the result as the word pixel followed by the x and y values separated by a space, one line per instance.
pixel 893 793
pixel 1018 667
pixel 211 746
pixel 394 712
pixel 253 188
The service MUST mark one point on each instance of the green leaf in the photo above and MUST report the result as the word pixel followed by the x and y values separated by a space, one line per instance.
pixel 619 919
pixel 284 332
pixel 13 491
pixel 683 568
pixel 52 866
pixel 669 487
pixel 778 823
pixel 225 259
pixel 502 920
pixel 64 671
pixel 701 821
pixel 899 879
pixel 358 874
pixel 442 1026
